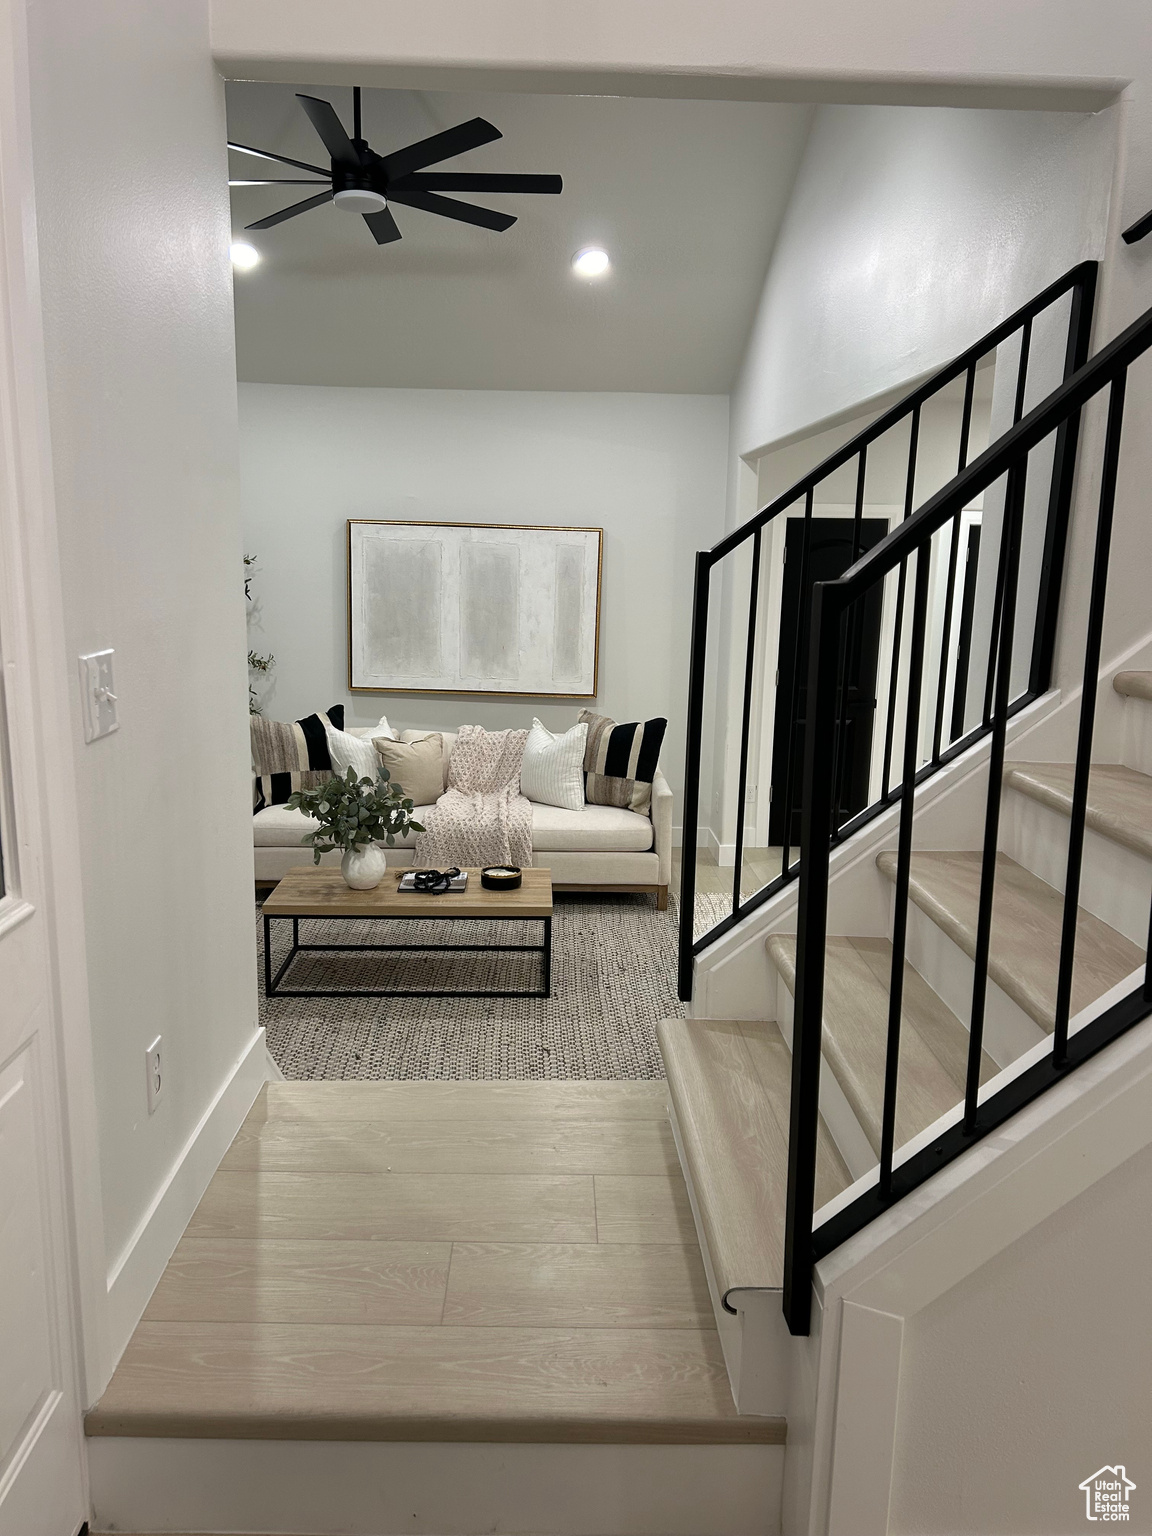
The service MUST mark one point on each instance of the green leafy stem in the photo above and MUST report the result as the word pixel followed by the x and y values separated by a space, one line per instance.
pixel 352 812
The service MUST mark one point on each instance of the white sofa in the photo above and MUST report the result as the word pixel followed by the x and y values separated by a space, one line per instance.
pixel 599 848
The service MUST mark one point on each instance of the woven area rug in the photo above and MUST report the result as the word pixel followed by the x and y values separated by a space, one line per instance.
pixel 613 978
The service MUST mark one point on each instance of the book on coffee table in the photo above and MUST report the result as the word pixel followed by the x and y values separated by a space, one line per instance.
pixel 408 882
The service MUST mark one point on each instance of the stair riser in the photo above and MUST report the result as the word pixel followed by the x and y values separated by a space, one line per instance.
pixel 755 1338
pixel 845 1128
pixel 313 1488
pixel 1008 1030
pixel 1136 735
pixel 1115 881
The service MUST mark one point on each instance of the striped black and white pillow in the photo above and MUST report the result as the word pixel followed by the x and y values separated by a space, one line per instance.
pixel 620 761
pixel 288 756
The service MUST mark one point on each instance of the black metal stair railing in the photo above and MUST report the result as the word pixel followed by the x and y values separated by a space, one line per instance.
pixel 1074 292
pixel 907 550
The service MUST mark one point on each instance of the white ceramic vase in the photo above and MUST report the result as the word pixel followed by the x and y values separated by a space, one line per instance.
pixel 363 868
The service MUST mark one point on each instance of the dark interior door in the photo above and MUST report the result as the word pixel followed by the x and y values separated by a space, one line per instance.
pixel 834 545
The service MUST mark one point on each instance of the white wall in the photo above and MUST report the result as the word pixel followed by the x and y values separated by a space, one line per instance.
pixel 648 469
pixel 134 227
pixel 1047 1356
pixel 910 233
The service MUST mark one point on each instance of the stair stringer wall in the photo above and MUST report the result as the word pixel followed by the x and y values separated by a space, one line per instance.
pixel 845 1385
pixel 734 978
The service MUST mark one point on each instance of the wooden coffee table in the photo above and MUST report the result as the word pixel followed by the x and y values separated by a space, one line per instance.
pixel 322 894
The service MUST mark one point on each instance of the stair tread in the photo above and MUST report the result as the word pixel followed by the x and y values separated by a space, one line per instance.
pixel 1134 685
pixel 1026 922
pixel 1119 803
pixel 730 1083
pixel 933 1041
pixel 430 1261
pixel 406 1383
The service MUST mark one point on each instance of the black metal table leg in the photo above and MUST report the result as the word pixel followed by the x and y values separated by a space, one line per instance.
pixel 273 980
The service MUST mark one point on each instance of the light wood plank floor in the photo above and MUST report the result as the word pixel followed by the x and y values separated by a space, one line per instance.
pixel 437 1261
pixel 758 867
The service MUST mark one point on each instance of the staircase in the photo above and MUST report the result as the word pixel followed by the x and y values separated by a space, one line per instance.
pixel 1003 922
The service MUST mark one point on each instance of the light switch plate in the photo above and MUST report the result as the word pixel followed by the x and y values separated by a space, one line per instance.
pixel 99 695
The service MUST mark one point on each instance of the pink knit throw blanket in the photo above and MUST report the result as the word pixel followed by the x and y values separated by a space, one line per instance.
pixel 482 818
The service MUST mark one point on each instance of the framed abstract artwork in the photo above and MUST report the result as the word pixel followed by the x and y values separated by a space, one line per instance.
pixel 473 608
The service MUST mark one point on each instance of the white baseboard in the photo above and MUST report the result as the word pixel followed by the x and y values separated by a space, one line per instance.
pixel 137 1269
pixel 366 1488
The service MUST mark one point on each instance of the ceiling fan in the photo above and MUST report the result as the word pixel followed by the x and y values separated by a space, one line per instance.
pixel 361 181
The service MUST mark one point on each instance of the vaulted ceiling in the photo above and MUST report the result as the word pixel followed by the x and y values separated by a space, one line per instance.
pixel 686 196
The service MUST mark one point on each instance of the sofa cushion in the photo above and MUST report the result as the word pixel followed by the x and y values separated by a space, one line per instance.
pixel 447 738
pixel 416 768
pixel 291 755
pixel 597 828
pixel 347 750
pixel 552 769
pixel 620 760
pixel 278 827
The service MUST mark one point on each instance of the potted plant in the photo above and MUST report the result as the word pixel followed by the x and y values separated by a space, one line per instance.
pixel 356 816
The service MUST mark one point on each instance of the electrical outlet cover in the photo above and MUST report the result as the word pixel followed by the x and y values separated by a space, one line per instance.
pixel 155 1069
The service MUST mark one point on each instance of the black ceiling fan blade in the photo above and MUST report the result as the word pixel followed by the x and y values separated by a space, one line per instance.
pixel 477 181
pixel 266 154
pixel 322 116
pixel 383 226
pixel 290 213
pixel 279 181
pixel 441 146
pixel 449 208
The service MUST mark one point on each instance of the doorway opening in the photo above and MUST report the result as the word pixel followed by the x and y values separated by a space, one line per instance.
pixel 834 544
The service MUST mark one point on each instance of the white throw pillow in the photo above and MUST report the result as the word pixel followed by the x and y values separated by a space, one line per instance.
pixel 348 751
pixel 384 729
pixel 552 772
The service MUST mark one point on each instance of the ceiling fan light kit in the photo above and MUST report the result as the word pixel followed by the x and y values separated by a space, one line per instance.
pixel 360 200
pixel 361 181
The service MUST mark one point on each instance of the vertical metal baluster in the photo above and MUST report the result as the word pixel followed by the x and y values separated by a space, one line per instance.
pixel 692 772
pixel 839 748
pixel 994 629
pixel 1060 496
pixel 998 600
pixel 909 493
pixel 805 610
pixel 749 665
pixel 1087 718
pixel 1013 521
pixel 812 922
pixel 903 866
pixel 1022 370
pixel 953 556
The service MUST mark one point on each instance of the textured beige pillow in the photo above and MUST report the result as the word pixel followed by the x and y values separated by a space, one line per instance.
pixel 447 737
pixel 414 766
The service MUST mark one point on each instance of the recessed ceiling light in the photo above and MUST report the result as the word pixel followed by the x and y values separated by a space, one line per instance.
pixel 244 256
pixel 590 262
